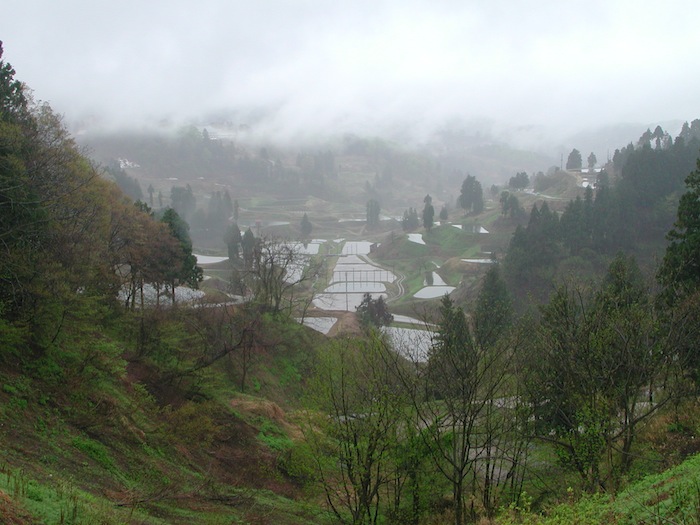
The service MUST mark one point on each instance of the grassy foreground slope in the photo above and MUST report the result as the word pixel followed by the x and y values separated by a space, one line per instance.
pixel 672 496
pixel 122 437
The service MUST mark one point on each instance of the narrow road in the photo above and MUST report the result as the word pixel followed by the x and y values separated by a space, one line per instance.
pixel 398 282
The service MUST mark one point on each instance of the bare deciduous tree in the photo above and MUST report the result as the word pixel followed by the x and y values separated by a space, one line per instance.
pixel 281 275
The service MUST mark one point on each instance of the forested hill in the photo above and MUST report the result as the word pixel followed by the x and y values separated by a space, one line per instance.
pixel 107 414
pixel 630 209
pixel 71 240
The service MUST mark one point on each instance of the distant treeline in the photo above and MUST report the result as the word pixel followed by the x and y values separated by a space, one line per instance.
pixel 630 210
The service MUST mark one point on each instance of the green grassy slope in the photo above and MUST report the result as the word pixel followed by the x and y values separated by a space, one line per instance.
pixel 670 497
pixel 109 438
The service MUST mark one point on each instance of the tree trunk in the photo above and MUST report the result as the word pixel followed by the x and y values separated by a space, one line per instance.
pixel 458 504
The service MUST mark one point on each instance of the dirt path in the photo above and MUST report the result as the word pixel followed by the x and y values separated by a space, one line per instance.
pixel 347 323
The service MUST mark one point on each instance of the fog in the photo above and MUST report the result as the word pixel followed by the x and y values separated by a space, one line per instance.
pixel 307 68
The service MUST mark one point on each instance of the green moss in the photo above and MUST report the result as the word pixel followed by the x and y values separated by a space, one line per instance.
pixel 95 451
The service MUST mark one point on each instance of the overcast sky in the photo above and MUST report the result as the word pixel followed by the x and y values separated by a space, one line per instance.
pixel 362 64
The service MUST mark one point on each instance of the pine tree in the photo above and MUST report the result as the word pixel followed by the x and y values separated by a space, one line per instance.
pixel 306 226
pixel 574 161
pixel 186 269
pixel 373 210
pixel 592 161
pixel 471 198
pixel 428 215
pixel 248 247
pixel 680 269
pixel 233 239
pixel 493 310
pixel 374 312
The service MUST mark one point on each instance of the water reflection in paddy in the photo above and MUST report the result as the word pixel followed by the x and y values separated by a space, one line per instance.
pixel 411 344
pixel 360 286
pixel 433 292
pixel 352 277
pixel 342 301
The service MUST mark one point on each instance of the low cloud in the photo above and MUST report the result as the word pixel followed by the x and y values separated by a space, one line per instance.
pixel 314 67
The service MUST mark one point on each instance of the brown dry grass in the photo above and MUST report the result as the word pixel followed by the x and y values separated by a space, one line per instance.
pixel 269 410
pixel 11 513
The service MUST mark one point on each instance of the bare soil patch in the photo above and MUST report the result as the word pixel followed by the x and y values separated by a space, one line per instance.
pixel 12 514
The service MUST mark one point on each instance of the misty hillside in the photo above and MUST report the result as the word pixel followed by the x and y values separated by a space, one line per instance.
pixel 367 264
